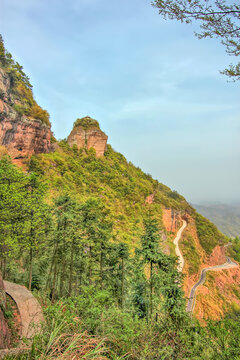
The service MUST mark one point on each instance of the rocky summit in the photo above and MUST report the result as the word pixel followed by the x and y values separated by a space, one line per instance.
pixel 86 133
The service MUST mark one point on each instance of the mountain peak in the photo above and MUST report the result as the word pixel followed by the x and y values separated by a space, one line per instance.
pixel 86 133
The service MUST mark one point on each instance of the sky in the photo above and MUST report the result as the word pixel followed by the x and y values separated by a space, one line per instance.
pixel 153 86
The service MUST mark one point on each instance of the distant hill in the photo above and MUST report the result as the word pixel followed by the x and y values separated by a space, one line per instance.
pixel 226 217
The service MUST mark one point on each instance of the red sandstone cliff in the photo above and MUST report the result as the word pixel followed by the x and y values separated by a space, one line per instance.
pixel 21 135
pixel 87 134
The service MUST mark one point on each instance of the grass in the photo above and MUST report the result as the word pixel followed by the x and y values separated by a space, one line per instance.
pixel 208 234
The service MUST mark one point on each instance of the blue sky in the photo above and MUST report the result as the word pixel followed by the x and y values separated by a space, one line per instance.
pixel 154 87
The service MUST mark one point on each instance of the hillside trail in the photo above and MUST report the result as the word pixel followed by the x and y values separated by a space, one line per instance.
pixel 229 264
pixel 177 249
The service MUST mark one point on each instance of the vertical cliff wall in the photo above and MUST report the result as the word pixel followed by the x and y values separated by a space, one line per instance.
pixel 22 135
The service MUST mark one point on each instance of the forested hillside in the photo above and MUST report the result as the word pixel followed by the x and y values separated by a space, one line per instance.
pixel 225 217
pixel 91 235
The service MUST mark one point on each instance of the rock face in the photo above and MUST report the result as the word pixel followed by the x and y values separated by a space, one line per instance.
pixel 87 134
pixel 29 308
pixel 4 332
pixel 23 138
pixel 20 135
pixel 149 199
pixel 170 219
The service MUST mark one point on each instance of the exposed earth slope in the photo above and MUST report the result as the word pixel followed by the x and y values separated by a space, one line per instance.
pixel 229 264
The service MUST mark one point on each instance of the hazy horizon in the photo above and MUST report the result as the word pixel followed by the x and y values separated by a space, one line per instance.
pixel 154 88
pixel 217 203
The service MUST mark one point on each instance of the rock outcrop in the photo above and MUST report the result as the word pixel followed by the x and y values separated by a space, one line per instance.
pixel 23 138
pixel 87 134
pixel 149 199
pixel 21 135
pixel 170 220
pixel 4 332
pixel 25 128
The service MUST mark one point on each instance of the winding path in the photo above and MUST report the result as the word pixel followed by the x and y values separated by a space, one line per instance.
pixel 229 264
pixel 177 250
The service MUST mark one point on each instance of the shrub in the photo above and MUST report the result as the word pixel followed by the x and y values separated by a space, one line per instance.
pixel 208 234
pixel 21 109
pixel 38 113
pixel 86 122
pixel 191 255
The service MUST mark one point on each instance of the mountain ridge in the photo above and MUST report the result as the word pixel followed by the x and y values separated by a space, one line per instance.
pixel 225 216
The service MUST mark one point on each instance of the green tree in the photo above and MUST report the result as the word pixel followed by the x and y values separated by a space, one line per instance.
pixel 174 302
pixel 234 248
pixel 139 287
pixel 117 272
pixel 223 338
pixel 217 18
pixel 2 52
pixel 97 231
pixel 36 216
pixel 80 246
pixel 64 244
pixel 150 251
pixel 123 254
pixel 13 187
pixel 23 214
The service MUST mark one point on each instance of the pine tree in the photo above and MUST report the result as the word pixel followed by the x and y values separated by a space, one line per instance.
pixel 36 217
pixel 150 242
pixel 13 185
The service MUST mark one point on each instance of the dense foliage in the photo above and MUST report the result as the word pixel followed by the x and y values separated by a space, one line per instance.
pixel 191 255
pixel 225 217
pixel 234 249
pixel 208 234
pixel 121 186
pixel 103 299
pixel 86 123
pixel 76 239
pixel 23 215
pixel 67 250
